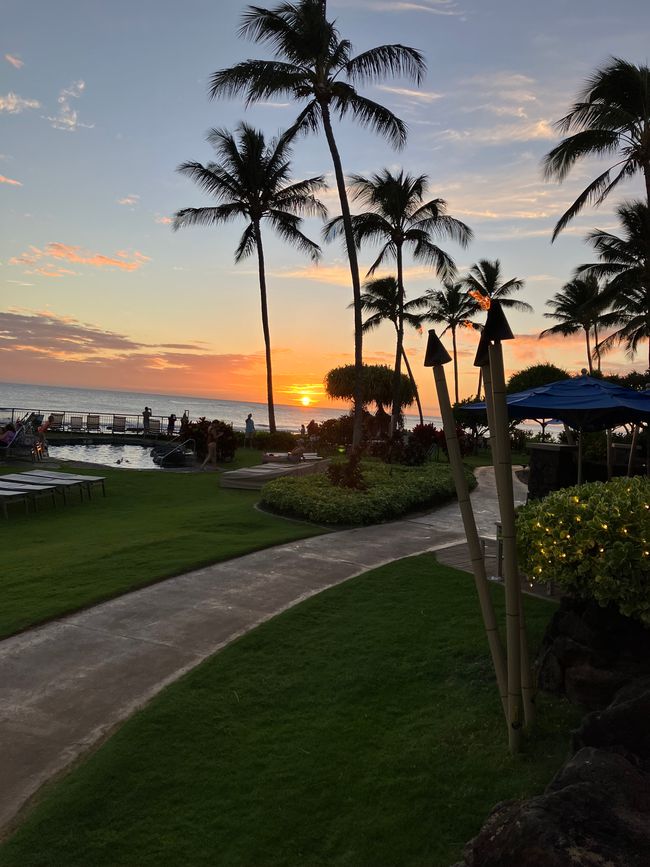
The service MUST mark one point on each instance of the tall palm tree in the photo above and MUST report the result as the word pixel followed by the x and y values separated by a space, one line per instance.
pixel 623 262
pixel 313 65
pixel 399 217
pixel 381 301
pixel 452 307
pixel 252 180
pixel 579 307
pixel 484 282
pixel 611 117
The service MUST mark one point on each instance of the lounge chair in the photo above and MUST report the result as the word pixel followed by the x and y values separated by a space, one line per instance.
pixel 29 492
pixel 52 476
pixel 154 427
pixel 7 497
pixel 27 481
pixel 119 424
pixel 92 424
pixel 76 423
pixel 56 420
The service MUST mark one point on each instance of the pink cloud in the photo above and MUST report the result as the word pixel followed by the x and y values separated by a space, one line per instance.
pixel 16 62
pixel 57 251
pixel 11 181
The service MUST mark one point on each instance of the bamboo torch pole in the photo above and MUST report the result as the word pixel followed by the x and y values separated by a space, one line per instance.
pixel 436 356
pixel 527 687
pixel 496 330
pixel 630 462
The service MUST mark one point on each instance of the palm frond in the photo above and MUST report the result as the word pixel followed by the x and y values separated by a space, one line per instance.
pixel 370 114
pixel 387 60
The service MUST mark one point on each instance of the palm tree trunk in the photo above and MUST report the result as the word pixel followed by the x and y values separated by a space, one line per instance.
pixel 480 383
pixel 591 367
pixel 357 432
pixel 265 324
pixel 397 378
pixel 413 382
pixel 596 347
pixel 453 343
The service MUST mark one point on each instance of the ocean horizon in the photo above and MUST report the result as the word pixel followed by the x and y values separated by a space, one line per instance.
pixel 25 397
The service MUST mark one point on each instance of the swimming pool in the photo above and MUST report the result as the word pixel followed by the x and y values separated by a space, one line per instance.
pixel 109 455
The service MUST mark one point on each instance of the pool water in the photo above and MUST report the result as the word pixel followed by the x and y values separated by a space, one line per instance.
pixel 128 457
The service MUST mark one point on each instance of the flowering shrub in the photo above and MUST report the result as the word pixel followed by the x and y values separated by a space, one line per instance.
pixel 593 541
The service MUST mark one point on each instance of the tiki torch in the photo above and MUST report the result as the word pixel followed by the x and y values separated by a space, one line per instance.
pixel 436 356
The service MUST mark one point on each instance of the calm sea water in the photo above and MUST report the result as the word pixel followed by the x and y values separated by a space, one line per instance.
pixel 81 401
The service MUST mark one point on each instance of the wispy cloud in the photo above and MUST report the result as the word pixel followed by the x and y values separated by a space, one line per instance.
pixel 432 7
pixel 56 251
pixel 67 118
pixel 10 181
pixel 165 221
pixel 15 61
pixel 496 135
pixel 14 104
pixel 426 96
pixel 131 199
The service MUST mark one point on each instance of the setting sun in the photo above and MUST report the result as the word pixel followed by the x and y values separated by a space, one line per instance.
pixel 305 400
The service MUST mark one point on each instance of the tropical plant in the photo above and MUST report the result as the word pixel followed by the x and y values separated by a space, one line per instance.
pixel 380 300
pixel 484 282
pixel 252 181
pixel 611 117
pixel 578 306
pixel 377 385
pixel 399 217
pixel 313 65
pixel 452 307
pixel 535 376
pixel 624 263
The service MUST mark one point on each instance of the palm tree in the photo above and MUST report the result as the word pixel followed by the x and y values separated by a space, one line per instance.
pixel 313 65
pixel 623 262
pixel 399 216
pixel 452 307
pixel 484 282
pixel 252 181
pixel 611 116
pixel 578 306
pixel 381 301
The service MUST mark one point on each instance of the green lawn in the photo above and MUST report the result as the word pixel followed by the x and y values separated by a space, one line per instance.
pixel 360 728
pixel 151 525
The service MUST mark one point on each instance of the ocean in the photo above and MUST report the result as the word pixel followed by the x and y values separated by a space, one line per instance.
pixel 81 401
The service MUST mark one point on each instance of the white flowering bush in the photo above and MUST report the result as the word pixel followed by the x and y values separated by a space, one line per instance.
pixel 593 541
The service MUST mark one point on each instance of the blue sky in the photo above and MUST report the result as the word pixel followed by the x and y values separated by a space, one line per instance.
pixel 99 102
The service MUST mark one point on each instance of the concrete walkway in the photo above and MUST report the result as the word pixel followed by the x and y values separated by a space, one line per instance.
pixel 66 685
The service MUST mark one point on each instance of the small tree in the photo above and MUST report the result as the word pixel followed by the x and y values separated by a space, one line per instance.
pixel 535 376
pixel 377 385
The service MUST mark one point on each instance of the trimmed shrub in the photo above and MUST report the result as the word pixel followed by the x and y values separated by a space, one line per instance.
pixel 593 541
pixel 391 491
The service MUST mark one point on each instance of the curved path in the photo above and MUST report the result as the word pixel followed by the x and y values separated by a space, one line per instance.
pixel 65 685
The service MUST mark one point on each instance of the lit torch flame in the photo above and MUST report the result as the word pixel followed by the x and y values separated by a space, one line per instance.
pixel 482 300
pixel 469 325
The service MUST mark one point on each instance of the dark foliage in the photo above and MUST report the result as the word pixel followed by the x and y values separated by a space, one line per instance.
pixel 347 474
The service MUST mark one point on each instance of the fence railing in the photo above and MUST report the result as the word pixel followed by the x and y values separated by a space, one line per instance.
pixel 74 421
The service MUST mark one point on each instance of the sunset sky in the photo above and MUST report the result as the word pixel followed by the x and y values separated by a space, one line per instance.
pixel 100 102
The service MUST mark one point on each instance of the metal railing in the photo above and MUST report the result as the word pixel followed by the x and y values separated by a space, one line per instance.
pixel 76 421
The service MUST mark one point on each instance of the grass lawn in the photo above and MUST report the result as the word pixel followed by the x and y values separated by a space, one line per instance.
pixel 360 728
pixel 150 525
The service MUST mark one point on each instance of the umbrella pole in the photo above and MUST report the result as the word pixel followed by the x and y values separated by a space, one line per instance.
pixel 527 688
pixel 579 456
pixel 609 454
pixel 507 508
pixel 473 541
pixel 635 431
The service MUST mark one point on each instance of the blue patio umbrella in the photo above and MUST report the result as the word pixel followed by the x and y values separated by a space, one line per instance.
pixel 582 402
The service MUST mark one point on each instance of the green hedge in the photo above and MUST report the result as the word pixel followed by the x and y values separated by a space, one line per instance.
pixel 593 541
pixel 392 491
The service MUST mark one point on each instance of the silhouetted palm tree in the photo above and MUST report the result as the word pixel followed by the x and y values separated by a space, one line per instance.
pixel 252 181
pixel 611 117
pixel 400 217
pixel 452 307
pixel 578 306
pixel 484 281
pixel 381 300
pixel 623 262
pixel 313 65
